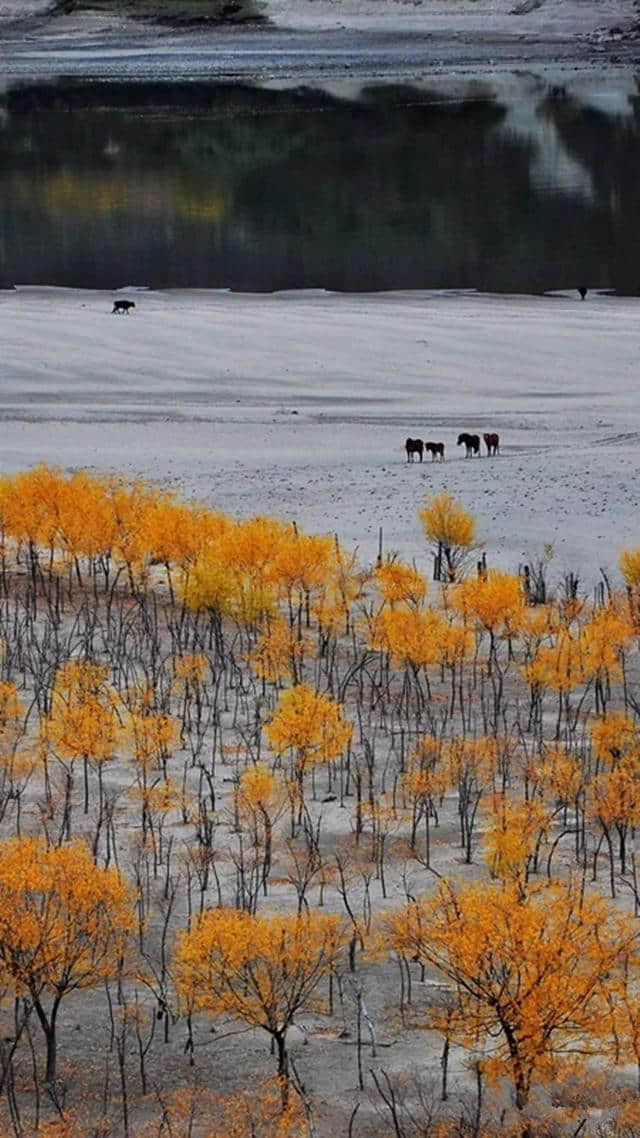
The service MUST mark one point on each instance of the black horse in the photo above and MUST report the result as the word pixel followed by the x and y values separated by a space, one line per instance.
pixel 414 447
pixel 471 442
pixel 436 450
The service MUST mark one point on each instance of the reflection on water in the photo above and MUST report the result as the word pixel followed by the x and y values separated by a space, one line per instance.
pixel 257 189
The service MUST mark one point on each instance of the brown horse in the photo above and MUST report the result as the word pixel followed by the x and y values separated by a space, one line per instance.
pixel 436 450
pixel 492 443
pixel 471 442
pixel 414 447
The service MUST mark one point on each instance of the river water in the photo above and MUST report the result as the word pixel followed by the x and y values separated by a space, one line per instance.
pixel 513 185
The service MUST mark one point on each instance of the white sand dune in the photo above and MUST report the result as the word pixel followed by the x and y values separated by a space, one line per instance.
pixel 299 405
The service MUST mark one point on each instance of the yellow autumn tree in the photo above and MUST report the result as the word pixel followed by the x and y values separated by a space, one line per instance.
pixel 400 584
pixel 234 576
pixel 64 923
pixel 512 839
pixel 424 782
pixel 279 651
pixel 301 567
pixel 259 801
pixel 629 562
pixel 494 602
pixel 263 970
pixel 153 735
pixel 310 726
pixel 16 766
pixel 450 530
pixel 527 966
pixel 82 723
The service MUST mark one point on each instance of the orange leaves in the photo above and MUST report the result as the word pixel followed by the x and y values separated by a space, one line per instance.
pixel 82 720
pixel 526 964
pixel 257 563
pixel 605 635
pixel 309 724
pixel 424 777
pixel 511 840
pixel 153 734
pixel 564 775
pixel 279 651
pixel 629 562
pixel 450 529
pixel 561 666
pixel 400 584
pixel 495 602
pixel 445 520
pixel 235 576
pixel 303 563
pixel 581 652
pixel 258 788
pixel 615 738
pixel 62 918
pixel 471 759
pixel 261 969
pixel 253 1113
pixel 616 797
pixel 12 711
pixel 191 669
pixel 411 637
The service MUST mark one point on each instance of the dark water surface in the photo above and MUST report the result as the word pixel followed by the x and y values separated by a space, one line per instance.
pixel 509 186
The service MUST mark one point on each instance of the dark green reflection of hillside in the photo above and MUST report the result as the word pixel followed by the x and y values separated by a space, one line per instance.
pixel 198 185
pixel 608 146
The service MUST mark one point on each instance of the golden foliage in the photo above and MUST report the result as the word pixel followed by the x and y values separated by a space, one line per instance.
pixel 614 738
pixel 261 969
pixel 445 520
pixel 63 919
pixel 400 584
pixel 511 841
pixel 310 725
pixel 258 788
pixel 527 967
pixel 279 651
pixel 414 637
pixel 495 602
pixel 423 778
pixel 83 719
pixel 153 735
pixel 191 669
pixel 561 666
pixel 629 562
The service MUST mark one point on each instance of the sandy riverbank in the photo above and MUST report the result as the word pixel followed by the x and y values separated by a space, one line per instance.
pixel 299 405
pixel 315 40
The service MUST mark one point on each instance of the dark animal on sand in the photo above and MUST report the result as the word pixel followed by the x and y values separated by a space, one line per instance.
pixel 413 447
pixel 492 443
pixel 583 292
pixel 436 450
pixel 123 306
pixel 471 442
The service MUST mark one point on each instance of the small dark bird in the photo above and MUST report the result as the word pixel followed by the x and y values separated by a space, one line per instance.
pixel 583 292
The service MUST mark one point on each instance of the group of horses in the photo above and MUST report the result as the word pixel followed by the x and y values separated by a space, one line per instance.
pixel 471 443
